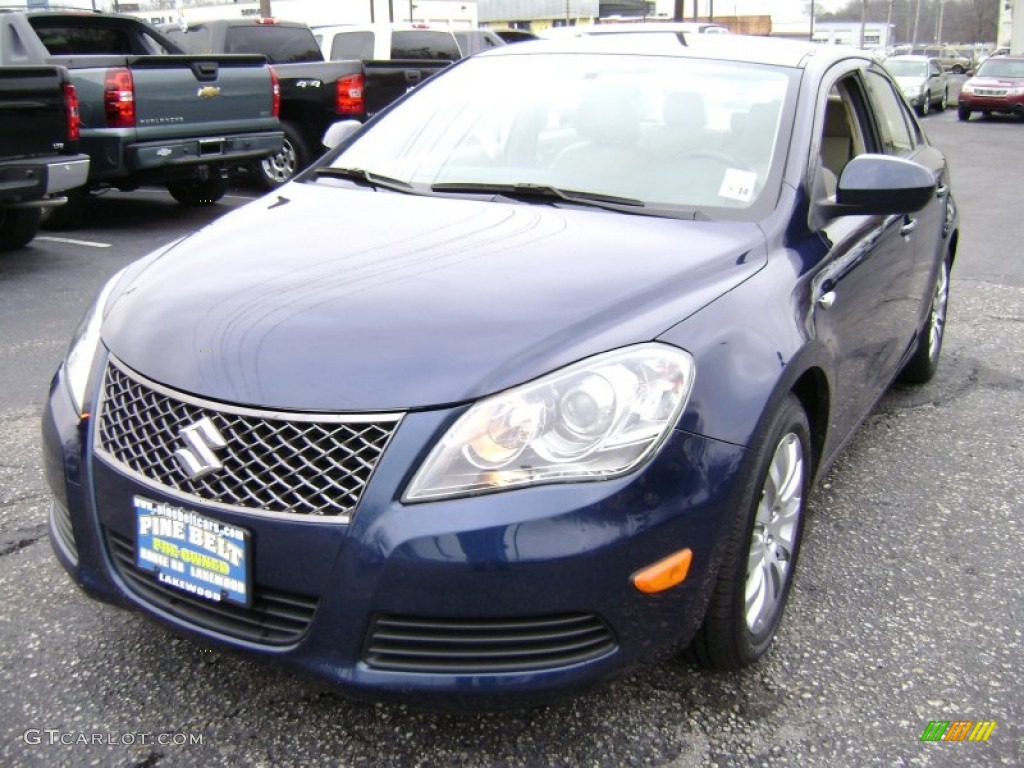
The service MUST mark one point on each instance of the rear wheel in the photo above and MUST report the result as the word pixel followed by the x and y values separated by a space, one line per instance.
pixel 198 191
pixel 18 226
pixel 921 367
pixel 279 168
pixel 945 100
pixel 757 567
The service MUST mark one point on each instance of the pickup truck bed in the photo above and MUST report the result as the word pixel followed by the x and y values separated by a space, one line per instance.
pixel 39 157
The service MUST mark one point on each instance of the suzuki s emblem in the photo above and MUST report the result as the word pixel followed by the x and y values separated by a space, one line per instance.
pixel 208 92
pixel 198 457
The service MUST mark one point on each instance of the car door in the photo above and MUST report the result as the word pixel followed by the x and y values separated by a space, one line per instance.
pixel 860 289
pixel 900 135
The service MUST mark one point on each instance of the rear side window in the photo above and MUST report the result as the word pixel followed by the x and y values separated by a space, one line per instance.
pixel 278 44
pixel 899 131
pixel 84 41
pixel 424 44
pixel 196 40
pixel 352 45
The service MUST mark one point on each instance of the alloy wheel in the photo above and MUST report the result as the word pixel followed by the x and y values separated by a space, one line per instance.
pixel 774 539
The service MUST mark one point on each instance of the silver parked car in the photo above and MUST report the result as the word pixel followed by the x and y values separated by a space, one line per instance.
pixel 922 80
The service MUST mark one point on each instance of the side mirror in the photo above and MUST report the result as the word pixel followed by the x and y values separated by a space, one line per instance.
pixel 337 133
pixel 879 185
pixel 883 185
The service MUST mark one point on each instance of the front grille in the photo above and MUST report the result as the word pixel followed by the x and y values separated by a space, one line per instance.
pixel 275 617
pixel 467 646
pixel 990 91
pixel 304 464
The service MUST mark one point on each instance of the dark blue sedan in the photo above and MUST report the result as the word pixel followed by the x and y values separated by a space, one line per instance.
pixel 527 381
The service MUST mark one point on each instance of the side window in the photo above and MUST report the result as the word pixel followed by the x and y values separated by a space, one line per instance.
pixel 897 135
pixel 842 133
pixel 352 45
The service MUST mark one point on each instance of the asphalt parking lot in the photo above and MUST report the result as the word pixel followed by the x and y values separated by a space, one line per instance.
pixel 907 606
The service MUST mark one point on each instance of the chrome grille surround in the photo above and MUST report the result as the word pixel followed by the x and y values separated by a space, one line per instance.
pixel 276 463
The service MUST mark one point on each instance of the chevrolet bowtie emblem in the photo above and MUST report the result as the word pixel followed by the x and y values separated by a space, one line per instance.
pixel 208 92
pixel 198 457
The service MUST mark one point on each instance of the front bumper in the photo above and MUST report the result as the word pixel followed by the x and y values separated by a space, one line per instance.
pixel 512 596
pixel 987 103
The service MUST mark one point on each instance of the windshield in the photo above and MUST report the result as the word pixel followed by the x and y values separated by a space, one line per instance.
pixel 668 132
pixel 1000 67
pixel 907 68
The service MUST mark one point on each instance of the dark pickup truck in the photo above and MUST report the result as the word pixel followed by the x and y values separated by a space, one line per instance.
pixel 314 93
pixel 149 113
pixel 39 157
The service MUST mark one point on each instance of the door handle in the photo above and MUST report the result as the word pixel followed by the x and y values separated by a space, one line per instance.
pixel 826 300
pixel 909 225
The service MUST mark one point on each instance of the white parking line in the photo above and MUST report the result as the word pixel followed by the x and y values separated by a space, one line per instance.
pixel 87 243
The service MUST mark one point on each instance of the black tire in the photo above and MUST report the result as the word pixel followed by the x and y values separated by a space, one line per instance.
pixel 957 69
pixel 964 113
pixel 18 226
pixel 944 101
pixel 194 192
pixel 926 105
pixel 280 168
pixel 731 636
pixel 923 364
pixel 71 215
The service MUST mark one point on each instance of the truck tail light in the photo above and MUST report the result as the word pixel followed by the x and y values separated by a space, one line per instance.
pixel 275 93
pixel 74 117
pixel 349 95
pixel 119 98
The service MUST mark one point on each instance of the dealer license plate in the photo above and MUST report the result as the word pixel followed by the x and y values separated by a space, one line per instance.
pixel 192 553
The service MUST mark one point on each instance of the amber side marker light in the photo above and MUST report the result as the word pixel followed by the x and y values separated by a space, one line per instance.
pixel 665 573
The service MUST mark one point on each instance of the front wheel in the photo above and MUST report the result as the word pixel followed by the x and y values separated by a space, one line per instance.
pixel 923 364
pixel 964 113
pixel 757 568
pixel 198 191
pixel 18 226
pixel 926 105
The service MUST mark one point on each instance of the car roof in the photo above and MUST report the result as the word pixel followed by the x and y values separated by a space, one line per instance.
pixel 910 57
pixel 739 48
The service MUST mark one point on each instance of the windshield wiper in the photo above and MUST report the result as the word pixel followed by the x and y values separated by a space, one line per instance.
pixel 541 191
pixel 361 176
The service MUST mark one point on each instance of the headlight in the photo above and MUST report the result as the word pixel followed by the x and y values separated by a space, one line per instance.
pixel 967 88
pixel 593 420
pixel 85 342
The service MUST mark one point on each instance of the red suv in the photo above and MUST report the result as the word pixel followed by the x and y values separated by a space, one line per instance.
pixel 998 86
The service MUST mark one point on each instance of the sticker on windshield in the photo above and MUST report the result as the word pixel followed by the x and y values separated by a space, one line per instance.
pixel 738 185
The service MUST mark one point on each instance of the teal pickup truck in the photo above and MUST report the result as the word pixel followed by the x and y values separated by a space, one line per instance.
pixel 150 114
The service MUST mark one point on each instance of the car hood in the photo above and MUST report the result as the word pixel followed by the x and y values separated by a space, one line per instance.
pixel 909 82
pixel 345 299
pixel 996 82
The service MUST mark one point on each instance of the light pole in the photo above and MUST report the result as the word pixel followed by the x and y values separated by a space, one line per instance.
pixel 917 14
pixel 938 26
pixel 888 26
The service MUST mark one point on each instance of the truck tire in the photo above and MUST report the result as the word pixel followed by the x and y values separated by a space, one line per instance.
pixel 195 192
pixel 278 169
pixel 17 227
